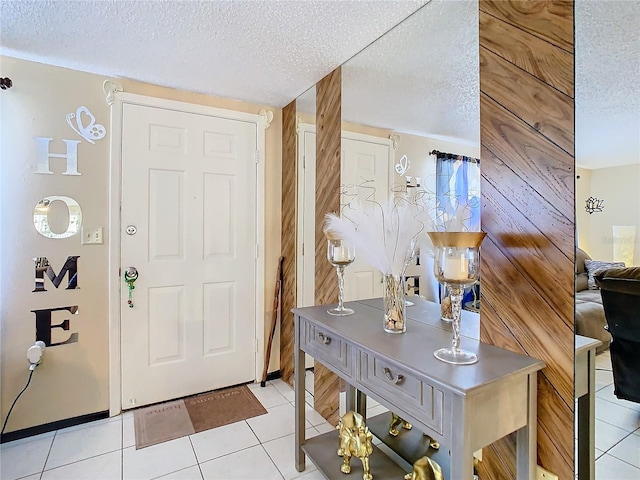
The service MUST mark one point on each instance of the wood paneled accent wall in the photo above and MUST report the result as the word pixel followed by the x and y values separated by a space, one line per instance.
pixel 527 140
pixel 288 239
pixel 328 146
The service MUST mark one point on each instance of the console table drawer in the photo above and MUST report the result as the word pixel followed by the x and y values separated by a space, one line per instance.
pixel 404 389
pixel 326 347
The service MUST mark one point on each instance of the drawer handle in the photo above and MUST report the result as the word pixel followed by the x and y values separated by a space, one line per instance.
pixel 323 339
pixel 395 380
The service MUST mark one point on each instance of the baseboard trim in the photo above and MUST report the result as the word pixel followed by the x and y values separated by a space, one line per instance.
pixel 50 427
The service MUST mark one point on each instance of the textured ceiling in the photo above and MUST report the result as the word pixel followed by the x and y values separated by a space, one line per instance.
pixel 423 75
pixel 259 51
pixel 419 78
pixel 607 69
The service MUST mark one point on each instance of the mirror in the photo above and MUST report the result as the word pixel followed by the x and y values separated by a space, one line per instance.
pixel 607 150
pixel 397 103
pixel 400 88
pixel 305 129
pixel 57 217
pixel 607 108
pixel 305 123
pixel 607 112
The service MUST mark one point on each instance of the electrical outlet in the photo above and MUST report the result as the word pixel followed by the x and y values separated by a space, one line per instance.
pixel 34 353
pixel 92 236
pixel 542 474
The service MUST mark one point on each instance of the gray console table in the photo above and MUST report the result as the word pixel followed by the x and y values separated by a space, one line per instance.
pixel 585 393
pixel 464 408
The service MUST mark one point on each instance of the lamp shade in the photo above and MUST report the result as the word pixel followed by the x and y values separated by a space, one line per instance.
pixel 624 238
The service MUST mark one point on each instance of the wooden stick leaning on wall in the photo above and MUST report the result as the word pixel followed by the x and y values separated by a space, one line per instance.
pixel 277 307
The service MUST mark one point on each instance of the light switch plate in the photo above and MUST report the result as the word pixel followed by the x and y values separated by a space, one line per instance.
pixel 92 236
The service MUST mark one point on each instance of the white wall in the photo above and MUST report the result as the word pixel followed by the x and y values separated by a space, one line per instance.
pixel 423 165
pixel 583 218
pixel 619 187
pixel 73 379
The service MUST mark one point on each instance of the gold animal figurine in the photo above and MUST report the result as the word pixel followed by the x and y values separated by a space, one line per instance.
pixel 425 469
pixel 355 440
pixel 396 421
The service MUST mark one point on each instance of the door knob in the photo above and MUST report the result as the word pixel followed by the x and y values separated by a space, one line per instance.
pixel 130 276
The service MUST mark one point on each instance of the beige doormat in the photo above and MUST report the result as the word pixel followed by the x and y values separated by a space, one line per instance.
pixel 175 419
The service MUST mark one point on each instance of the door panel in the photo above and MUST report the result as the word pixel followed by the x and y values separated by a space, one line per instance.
pixel 188 186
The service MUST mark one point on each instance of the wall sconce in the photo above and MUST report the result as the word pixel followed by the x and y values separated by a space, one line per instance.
pixel 594 205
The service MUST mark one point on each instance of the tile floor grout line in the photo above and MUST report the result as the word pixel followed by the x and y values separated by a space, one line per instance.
pixel 171 473
pixel 195 454
pixel 44 466
pixel 82 459
pixel 271 459
pixel 619 460
pixel 623 460
pixel 200 470
pixel 616 426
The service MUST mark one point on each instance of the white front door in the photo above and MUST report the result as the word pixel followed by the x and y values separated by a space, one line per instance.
pixel 364 159
pixel 365 163
pixel 188 225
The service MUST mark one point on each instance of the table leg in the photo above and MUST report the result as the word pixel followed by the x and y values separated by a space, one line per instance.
pixel 461 454
pixel 298 381
pixel 356 401
pixel 361 404
pixel 526 437
pixel 586 424
pixel 350 392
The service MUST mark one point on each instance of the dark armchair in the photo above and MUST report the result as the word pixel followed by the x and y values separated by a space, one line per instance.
pixel 620 288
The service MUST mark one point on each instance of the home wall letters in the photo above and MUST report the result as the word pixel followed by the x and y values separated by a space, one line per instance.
pixel 90 132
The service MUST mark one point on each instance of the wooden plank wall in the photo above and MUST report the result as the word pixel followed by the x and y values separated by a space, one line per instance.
pixel 527 140
pixel 288 239
pixel 328 144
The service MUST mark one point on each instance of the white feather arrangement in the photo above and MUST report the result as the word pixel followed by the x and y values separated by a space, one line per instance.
pixel 384 234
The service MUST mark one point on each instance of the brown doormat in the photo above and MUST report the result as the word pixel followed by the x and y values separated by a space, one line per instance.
pixel 162 422
pixel 222 407
pixel 167 421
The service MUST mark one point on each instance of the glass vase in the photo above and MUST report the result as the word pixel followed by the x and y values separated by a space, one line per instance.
pixel 394 304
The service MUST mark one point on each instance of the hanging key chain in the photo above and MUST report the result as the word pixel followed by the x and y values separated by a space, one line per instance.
pixel 130 276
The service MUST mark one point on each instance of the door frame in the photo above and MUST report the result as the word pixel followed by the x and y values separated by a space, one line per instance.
pixel 115 194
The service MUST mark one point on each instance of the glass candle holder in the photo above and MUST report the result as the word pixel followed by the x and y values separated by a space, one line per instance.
pixel 340 254
pixel 457 265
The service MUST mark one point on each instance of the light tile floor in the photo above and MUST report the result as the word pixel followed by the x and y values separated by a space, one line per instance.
pixel 260 447
pixel 257 448
pixel 617 429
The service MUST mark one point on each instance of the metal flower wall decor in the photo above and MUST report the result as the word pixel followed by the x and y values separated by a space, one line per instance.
pixel 594 205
